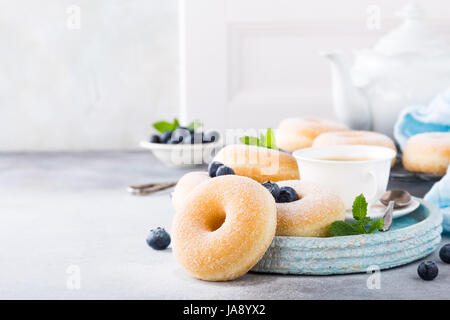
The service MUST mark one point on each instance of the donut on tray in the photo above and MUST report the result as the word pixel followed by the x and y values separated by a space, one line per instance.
pixel 312 214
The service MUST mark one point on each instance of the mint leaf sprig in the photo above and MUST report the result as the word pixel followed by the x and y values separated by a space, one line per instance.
pixel 266 141
pixel 163 126
pixel 362 224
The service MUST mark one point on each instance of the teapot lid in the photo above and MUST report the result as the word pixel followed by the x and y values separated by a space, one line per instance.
pixel 412 36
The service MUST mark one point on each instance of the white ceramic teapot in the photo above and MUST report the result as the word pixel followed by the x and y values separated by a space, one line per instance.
pixel 408 66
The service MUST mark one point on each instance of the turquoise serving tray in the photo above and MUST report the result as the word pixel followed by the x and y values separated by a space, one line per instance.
pixel 411 237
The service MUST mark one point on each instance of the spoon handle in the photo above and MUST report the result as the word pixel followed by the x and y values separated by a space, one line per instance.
pixel 387 218
pixel 149 188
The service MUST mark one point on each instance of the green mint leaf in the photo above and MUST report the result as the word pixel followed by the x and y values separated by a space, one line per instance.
pixel 361 224
pixel 262 140
pixel 364 221
pixel 194 125
pixel 267 140
pixel 176 124
pixel 270 139
pixel 359 208
pixel 162 126
pixel 250 141
pixel 341 228
pixel 377 225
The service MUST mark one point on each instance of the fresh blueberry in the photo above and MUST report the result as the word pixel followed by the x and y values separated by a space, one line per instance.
pixel 273 188
pixel 211 136
pixel 165 136
pixel 287 194
pixel 158 239
pixel 444 253
pixel 180 134
pixel 155 138
pixel 212 168
pixel 428 270
pixel 224 170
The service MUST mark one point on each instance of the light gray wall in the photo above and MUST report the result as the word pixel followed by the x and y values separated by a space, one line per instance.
pixel 102 85
pixel 96 87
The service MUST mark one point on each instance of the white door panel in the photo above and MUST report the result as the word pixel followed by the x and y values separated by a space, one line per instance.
pixel 250 63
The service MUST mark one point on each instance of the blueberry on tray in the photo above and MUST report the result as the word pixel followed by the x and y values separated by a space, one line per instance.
pixel 273 188
pixel 224 170
pixel 287 194
pixel 212 168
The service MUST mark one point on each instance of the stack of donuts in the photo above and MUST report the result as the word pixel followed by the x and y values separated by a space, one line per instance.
pixel 226 218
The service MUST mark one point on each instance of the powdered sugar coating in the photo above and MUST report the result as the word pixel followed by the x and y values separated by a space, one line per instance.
pixel 223 228
pixel 260 164
pixel 185 185
pixel 312 214
pixel 298 133
pixel 427 152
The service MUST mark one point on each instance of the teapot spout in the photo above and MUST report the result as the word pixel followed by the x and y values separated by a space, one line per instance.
pixel 351 104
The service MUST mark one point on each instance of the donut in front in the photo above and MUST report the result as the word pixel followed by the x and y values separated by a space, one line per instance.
pixel 259 163
pixel 427 152
pixel 355 137
pixel 310 216
pixel 185 185
pixel 224 228
pixel 299 133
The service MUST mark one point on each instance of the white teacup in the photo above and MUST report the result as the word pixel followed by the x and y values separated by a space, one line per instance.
pixel 349 170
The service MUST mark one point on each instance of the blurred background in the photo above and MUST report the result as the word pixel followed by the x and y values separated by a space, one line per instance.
pixel 94 75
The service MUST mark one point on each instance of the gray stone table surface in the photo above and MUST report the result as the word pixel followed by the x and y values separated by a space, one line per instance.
pixel 68 216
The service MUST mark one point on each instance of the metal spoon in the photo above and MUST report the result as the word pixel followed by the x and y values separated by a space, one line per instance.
pixel 387 218
pixel 149 188
pixel 401 198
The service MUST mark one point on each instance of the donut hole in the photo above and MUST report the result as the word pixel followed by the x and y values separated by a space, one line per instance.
pixel 215 221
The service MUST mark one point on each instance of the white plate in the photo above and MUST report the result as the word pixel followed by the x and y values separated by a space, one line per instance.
pixel 377 210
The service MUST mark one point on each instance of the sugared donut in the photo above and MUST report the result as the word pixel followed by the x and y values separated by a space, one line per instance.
pixel 185 185
pixel 224 227
pixel 427 152
pixel 260 164
pixel 312 214
pixel 298 133
pixel 354 138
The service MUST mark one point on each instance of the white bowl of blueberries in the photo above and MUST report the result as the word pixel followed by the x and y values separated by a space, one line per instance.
pixel 183 146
